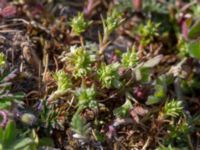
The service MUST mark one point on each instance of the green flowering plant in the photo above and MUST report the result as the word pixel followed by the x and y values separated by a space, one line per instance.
pixel 148 32
pixel 79 24
pixel 79 61
pixel 63 84
pixel 86 98
pixel 110 23
pixel 108 75
pixel 173 108
pixel 130 59
pixel 114 18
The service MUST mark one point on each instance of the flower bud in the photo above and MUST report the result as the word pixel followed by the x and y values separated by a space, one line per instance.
pixel 28 119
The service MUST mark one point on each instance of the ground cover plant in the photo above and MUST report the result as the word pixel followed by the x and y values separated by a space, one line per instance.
pixel 100 74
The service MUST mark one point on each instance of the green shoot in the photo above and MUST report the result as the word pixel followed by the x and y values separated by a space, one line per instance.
pixel 86 97
pixel 173 108
pixel 79 60
pixel 108 75
pixel 129 59
pixel 79 24
pixel 63 83
pixel 148 32
pixel 123 110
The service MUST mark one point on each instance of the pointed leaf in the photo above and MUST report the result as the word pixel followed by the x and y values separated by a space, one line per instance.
pixel 152 100
pixel 153 62
pixel 195 30
pixel 1 135
pixel 194 49
pixel 22 143
pixel 10 133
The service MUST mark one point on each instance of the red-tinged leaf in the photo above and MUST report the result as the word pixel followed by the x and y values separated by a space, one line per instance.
pixel 9 11
pixel 140 110
pixel 184 29
pixel 134 116
pixel 136 112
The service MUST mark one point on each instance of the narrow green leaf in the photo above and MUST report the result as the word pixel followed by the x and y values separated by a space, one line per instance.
pixel 22 143
pixel 10 133
pixel 1 135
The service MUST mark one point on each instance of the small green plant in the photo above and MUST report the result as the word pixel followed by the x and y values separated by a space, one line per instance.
pixel 63 83
pixel 178 132
pixel 173 108
pixel 79 126
pixel 123 110
pixel 108 75
pixel 79 61
pixel 48 116
pixel 11 140
pixel 129 59
pixel 112 21
pixel 148 32
pixel 114 18
pixel 79 24
pixel 86 98
pixel 160 90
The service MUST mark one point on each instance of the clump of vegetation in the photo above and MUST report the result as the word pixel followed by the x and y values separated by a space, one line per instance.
pixel 79 24
pixel 73 79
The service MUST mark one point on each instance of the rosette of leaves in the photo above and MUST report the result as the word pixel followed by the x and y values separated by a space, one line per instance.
pixel 79 61
pixel 63 84
pixel 173 108
pixel 148 32
pixel 79 24
pixel 86 98
pixel 108 75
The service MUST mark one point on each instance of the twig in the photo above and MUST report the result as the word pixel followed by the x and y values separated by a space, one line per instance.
pixel 146 143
